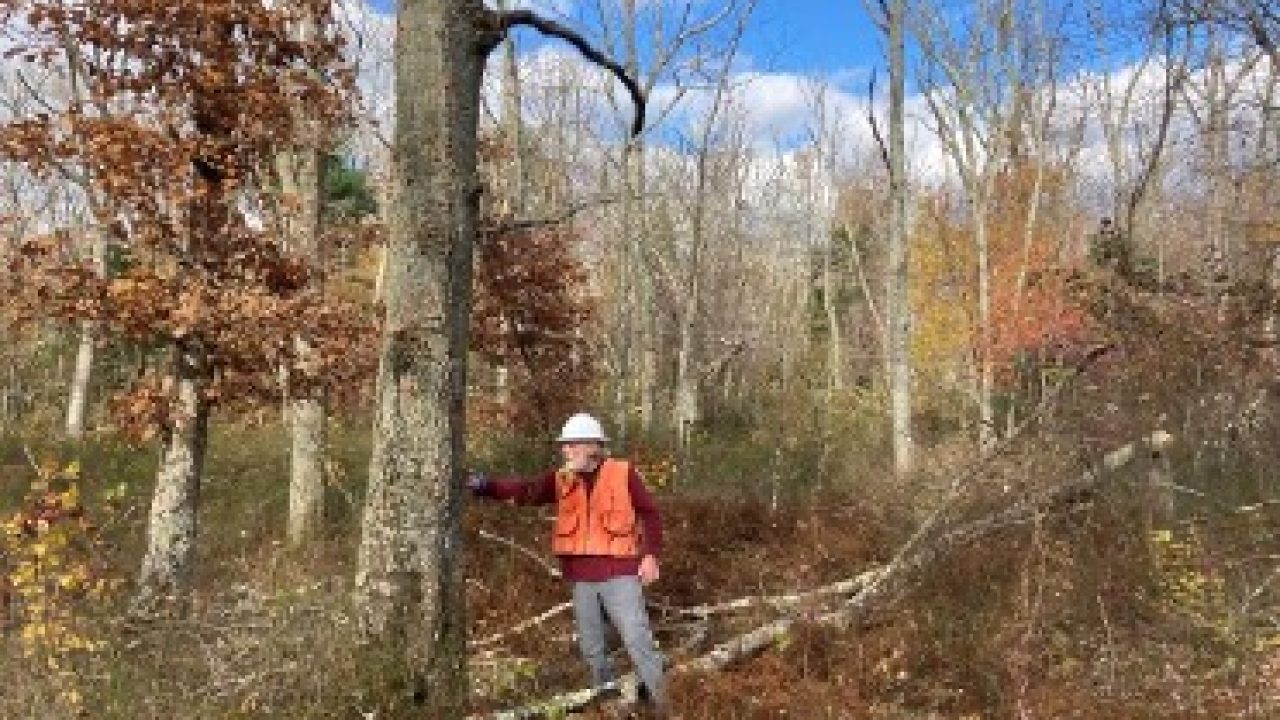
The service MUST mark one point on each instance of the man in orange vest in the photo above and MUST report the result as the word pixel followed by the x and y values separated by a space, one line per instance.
pixel 608 536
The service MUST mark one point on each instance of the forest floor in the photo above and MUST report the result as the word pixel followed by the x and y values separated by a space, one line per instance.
pixel 1087 612
pixel 1068 619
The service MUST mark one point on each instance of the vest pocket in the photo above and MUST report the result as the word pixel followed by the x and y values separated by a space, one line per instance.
pixel 567 523
pixel 619 522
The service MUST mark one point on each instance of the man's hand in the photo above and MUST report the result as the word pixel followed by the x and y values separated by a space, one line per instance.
pixel 648 570
pixel 477 482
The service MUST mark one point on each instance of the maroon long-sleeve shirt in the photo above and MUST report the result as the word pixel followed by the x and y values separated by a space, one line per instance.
pixel 541 490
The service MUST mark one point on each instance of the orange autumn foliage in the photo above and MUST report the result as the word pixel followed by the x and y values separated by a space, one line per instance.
pixel 1035 311
pixel 179 114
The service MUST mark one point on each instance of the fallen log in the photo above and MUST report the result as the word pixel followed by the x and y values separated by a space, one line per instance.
pixel 777 602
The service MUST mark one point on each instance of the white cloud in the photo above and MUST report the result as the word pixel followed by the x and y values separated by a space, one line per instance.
pixel 779 113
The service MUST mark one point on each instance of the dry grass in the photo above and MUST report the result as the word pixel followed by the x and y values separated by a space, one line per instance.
pixel 1068 617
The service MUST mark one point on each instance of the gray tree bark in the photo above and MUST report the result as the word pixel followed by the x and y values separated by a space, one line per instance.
pixel 688 409
pixel 307 445
pixel 171 528
pixel 299 172
pixel 408 579
pixel 513 127
pixel 408 586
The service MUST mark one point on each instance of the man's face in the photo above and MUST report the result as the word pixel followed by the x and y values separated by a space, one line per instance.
pixel 580 455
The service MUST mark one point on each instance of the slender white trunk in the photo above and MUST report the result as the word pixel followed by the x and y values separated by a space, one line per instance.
pixel 78 396
pixel 898 302
pixel 306 467
pixel 300 175
pixel 513 127
pixel 835 344
pixel 835 361
pixel 986 367
pixel 648 376
pixel 644 322
pixel 688 410
pixel 515 186
pixel 300 169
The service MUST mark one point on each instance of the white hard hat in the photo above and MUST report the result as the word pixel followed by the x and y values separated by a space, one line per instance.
pixel 582 427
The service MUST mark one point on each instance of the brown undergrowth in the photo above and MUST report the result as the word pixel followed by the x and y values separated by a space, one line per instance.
pixel 1090 611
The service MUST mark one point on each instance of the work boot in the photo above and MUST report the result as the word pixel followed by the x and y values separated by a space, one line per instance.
pixel 651 707
pixel 608 692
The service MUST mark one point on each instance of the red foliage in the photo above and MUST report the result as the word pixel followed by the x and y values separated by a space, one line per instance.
pixel 532 316
pixel 1035 310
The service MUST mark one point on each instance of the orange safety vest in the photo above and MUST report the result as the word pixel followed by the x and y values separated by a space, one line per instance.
pixel 602 522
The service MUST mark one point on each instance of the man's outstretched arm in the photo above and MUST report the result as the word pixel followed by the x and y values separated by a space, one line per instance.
pixel 537 490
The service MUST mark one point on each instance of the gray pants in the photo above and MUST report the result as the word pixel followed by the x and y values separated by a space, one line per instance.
pixel 623 600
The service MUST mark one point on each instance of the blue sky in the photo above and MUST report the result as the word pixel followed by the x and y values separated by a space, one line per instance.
pixel 791 43
pixel 825 37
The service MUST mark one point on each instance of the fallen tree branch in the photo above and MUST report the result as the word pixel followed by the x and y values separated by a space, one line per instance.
pixel 552 570
pixel 700 612
pixel 522 626
pixel 842 587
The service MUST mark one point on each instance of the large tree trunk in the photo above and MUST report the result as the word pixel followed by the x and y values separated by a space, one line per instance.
pixel 408 582
pixel 171 529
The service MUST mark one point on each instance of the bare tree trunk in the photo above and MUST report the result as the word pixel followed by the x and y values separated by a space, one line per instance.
pixel 306 465
pixel 171 529
pixel 644 324
pixel 299 172
pixel 688 412
pixel 898 302
pixel 513 127
pixel 835 359
pixel 409 581
pixel 985 366
pixel 78 393
pixel 78 396
pixel 688 409
pixel 515 196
